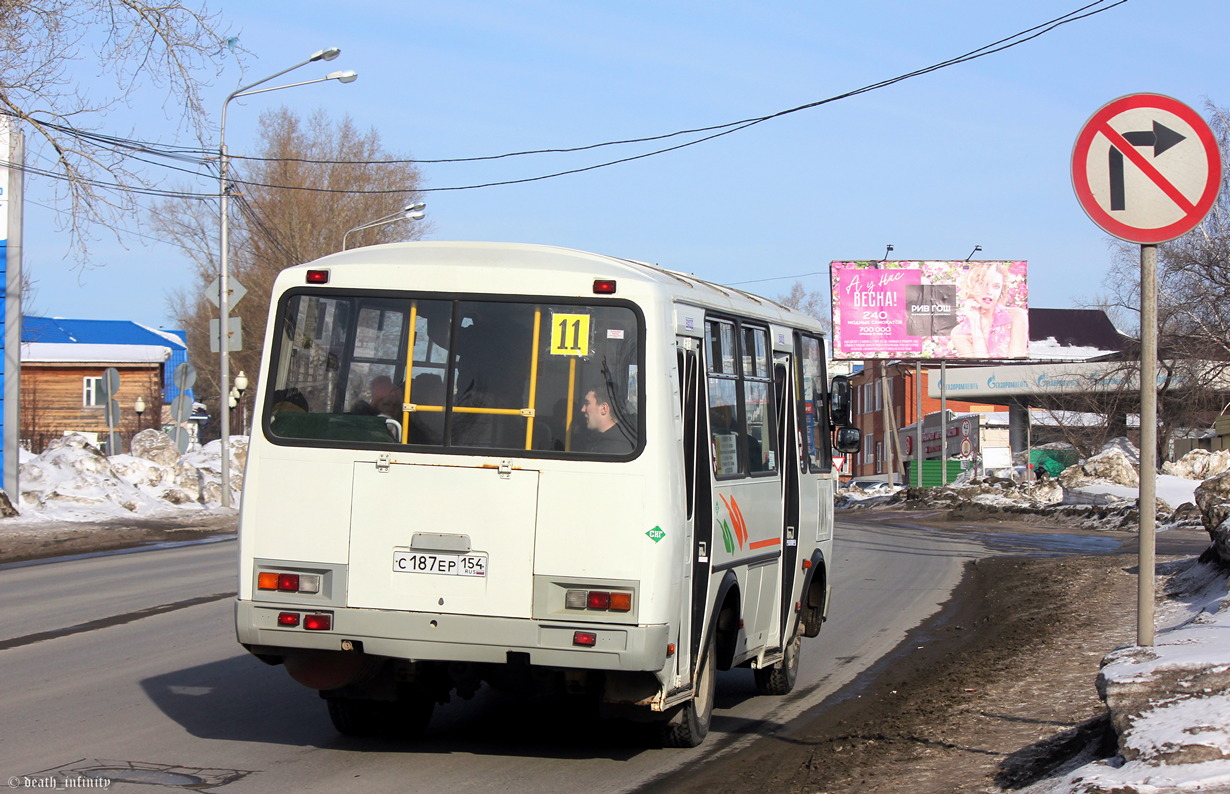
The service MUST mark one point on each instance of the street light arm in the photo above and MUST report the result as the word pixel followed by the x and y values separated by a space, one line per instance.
pixel 344 77
pixel 412 212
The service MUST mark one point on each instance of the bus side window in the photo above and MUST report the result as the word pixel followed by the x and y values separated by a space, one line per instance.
pixel 725 422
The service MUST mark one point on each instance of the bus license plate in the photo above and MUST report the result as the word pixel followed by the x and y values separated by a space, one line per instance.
pixel 445 564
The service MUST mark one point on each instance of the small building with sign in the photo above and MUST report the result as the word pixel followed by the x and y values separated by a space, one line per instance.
pixel 886 393
pixel 63 362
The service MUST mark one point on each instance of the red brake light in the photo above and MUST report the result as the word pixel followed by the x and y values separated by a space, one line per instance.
pixel 318 277
pixel 288 582
pixel 598 599
pixel 317 622
pixel 604 286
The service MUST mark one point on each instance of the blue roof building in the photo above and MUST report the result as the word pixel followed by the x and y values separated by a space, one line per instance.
pixel 59 338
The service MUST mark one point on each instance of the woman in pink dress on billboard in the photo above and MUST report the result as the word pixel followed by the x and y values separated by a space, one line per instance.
pixel 987 328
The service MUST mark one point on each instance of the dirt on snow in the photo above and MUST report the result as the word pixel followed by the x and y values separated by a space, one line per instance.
pixel 992 694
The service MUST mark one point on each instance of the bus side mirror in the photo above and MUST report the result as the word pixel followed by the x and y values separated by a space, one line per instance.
pixel 848 439
pixel 839 401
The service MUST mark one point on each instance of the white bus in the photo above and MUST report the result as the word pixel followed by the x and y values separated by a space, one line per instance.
pixel 536 468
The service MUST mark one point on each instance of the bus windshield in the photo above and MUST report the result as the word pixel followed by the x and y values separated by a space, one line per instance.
pixel 539 377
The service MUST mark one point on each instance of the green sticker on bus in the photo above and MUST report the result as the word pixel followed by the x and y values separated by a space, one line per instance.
pixel 656 534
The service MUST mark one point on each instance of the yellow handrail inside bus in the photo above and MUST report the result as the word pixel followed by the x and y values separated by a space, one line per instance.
pixel 529 421
pixel 405 399
pixel 572 398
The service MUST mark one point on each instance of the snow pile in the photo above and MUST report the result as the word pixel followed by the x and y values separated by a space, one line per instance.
pixel 1199 464
pixel 73 481
pixel 1169 703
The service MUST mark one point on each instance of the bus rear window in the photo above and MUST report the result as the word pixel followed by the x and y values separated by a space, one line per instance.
pixel 545 378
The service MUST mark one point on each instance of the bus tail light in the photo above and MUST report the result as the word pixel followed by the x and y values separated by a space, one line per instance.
pixel 599 600
pixel 604 286
pixel 586 638
pixel 318 277
pixel 308 583
pixel 289 619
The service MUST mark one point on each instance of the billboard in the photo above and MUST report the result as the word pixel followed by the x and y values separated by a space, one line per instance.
pixel 930 310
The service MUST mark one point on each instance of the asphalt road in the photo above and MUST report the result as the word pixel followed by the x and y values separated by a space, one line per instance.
pixel 127 665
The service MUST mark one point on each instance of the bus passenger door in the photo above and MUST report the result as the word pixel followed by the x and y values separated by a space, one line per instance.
pixel 695 450
pixel 784 391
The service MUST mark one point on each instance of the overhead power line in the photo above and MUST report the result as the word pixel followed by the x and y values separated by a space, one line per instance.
pixel 204 156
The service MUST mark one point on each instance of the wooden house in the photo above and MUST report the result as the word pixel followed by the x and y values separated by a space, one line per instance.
pixel 62 368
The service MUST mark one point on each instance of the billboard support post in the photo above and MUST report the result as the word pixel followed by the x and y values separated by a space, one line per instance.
pixel 886 413
pixel 943 424
pixel 918 421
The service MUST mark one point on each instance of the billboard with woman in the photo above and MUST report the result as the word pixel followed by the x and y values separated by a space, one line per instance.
pixel 935 309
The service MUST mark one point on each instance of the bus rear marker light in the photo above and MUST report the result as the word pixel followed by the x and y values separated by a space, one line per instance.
pixel 318 277
pixel 318 622
pixel 288 618
pixel 586 638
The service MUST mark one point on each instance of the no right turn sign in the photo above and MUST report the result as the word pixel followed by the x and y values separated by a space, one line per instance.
pixel 1146 168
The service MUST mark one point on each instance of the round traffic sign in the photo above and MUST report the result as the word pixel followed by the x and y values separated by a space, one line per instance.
pixel 1146 168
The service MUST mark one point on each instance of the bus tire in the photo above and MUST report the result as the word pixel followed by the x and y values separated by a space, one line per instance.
pixel 404 718
pixel 689 726
pixel 779 679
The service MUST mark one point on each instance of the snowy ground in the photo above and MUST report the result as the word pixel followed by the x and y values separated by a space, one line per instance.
pixel 1179 743
pixel 73 482
pixel 1171 700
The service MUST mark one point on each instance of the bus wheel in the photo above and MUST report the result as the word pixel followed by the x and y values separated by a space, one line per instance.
pixel 688 726
pixel 779 679
pixel 404 718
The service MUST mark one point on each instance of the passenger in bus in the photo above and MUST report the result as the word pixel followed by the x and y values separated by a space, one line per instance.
pixel 390 407
pixel 379 390
pixel 427 427
pixel 289 399
pixel 606 434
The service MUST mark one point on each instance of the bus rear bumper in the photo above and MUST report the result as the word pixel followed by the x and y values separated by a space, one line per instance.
pixel 457 638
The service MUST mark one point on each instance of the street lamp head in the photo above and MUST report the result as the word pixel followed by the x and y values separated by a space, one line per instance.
pixel 139 406
pixel 414 207
pixel 325 55
pixel 241 383
pixel 343 77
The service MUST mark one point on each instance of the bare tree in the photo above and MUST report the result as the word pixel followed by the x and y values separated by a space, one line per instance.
pixel 136 44
pixel 814 303
pixel 309 182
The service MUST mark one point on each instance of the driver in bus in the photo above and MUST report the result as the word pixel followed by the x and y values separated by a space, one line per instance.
pixel 607 435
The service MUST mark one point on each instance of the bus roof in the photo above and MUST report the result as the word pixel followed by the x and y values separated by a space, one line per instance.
pixel 553 262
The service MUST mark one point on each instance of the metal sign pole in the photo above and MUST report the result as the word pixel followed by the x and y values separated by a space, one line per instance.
pixel 1148 443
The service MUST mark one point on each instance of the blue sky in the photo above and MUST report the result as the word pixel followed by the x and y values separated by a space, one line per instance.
pixel 976 154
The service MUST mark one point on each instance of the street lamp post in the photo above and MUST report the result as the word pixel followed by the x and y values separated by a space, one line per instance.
pixel 139 408
pixel 410 212
pixel 224 242
pixel 241 385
